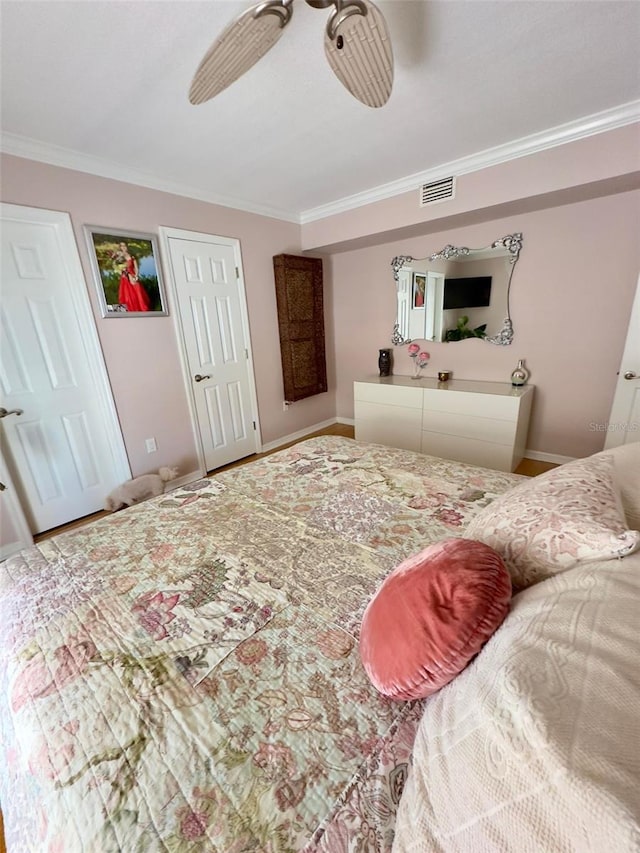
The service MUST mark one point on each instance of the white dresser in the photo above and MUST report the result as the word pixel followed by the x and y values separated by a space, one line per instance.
pixel 484 423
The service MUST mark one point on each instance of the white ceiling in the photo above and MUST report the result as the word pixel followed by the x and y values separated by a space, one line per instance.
pixel 103 86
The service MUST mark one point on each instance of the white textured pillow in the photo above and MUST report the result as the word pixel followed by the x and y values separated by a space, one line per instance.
pixel 626 460
pixel 534 746
pixel 569 515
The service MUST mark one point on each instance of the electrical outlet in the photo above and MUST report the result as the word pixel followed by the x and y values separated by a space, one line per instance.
pixel 151 445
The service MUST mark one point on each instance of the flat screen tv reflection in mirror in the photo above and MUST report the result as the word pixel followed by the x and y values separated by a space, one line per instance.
pixel 470 292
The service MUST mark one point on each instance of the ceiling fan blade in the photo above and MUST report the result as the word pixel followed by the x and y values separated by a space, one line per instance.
pixel 239 47
pixel 358 49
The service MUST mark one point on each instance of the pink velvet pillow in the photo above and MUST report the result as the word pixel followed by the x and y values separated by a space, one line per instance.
pixel 431 615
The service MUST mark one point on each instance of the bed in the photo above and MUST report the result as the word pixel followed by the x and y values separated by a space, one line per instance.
pixel 184 675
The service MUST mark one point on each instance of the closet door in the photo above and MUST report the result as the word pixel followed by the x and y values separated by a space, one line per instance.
pixel 213 330
pixel 624 420
pixel 64 449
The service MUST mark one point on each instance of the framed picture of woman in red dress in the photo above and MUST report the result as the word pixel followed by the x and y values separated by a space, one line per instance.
pixel 419 289
pixel 127 272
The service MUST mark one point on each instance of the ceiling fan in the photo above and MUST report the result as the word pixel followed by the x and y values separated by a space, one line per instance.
pixel 356 44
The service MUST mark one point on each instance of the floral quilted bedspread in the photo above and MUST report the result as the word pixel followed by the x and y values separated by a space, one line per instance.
pixel 184 676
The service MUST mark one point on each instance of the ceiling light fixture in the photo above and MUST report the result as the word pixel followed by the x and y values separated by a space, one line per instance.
pixel 356 44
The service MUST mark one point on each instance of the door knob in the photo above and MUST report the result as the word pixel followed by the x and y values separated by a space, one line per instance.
pixel 5 412
pixel 199 378
pixel 629 375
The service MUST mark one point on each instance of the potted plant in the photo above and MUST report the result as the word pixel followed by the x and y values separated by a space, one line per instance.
pixel 462 330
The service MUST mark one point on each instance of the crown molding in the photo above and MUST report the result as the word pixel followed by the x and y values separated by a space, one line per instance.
pixel 606 120
pixel 67 158
pixel 611 119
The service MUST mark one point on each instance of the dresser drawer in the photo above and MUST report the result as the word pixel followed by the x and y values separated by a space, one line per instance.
pixel 466 403
pixel 470 426
pixel 388 395
pixel 471 450
pixel 394 426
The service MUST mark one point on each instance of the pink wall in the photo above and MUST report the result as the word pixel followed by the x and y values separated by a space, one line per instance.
pixel 141 354
pixel 577 205
pixel 595 166
pixel 572 292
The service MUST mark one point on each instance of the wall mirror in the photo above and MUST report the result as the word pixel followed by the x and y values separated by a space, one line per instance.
pixel 456 293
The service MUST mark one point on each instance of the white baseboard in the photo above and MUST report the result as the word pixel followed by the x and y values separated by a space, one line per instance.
pixel 182 481
pixel 547 457
pixel 271 445
pixel 529 454
pixel 294 436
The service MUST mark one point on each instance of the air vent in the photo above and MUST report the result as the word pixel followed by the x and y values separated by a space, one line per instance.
pixel 437 191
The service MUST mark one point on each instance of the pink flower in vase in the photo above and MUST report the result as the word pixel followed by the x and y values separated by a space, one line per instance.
pixel 421 359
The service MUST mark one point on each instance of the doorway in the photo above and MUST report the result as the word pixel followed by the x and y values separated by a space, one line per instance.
pixel 210 312
pixel 61 440
pixel 624 421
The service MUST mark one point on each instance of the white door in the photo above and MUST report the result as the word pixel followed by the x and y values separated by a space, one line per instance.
pixel 424 322
pixel 65 452
pixel 624 420
pixel 403 313
pixel 209 294
pixel 434 298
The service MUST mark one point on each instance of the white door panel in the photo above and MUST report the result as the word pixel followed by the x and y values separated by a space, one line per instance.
pixel 624 420
pixel 210 307
pixel 65 452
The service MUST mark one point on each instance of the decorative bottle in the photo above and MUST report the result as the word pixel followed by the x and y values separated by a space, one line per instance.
pixel 520 375
pixel 384 362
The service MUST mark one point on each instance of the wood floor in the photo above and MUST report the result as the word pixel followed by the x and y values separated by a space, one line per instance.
pixel 533 467
pixel 528 467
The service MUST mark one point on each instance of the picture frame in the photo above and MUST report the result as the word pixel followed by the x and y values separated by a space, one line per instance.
pixel 126 268
pixel 419 292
